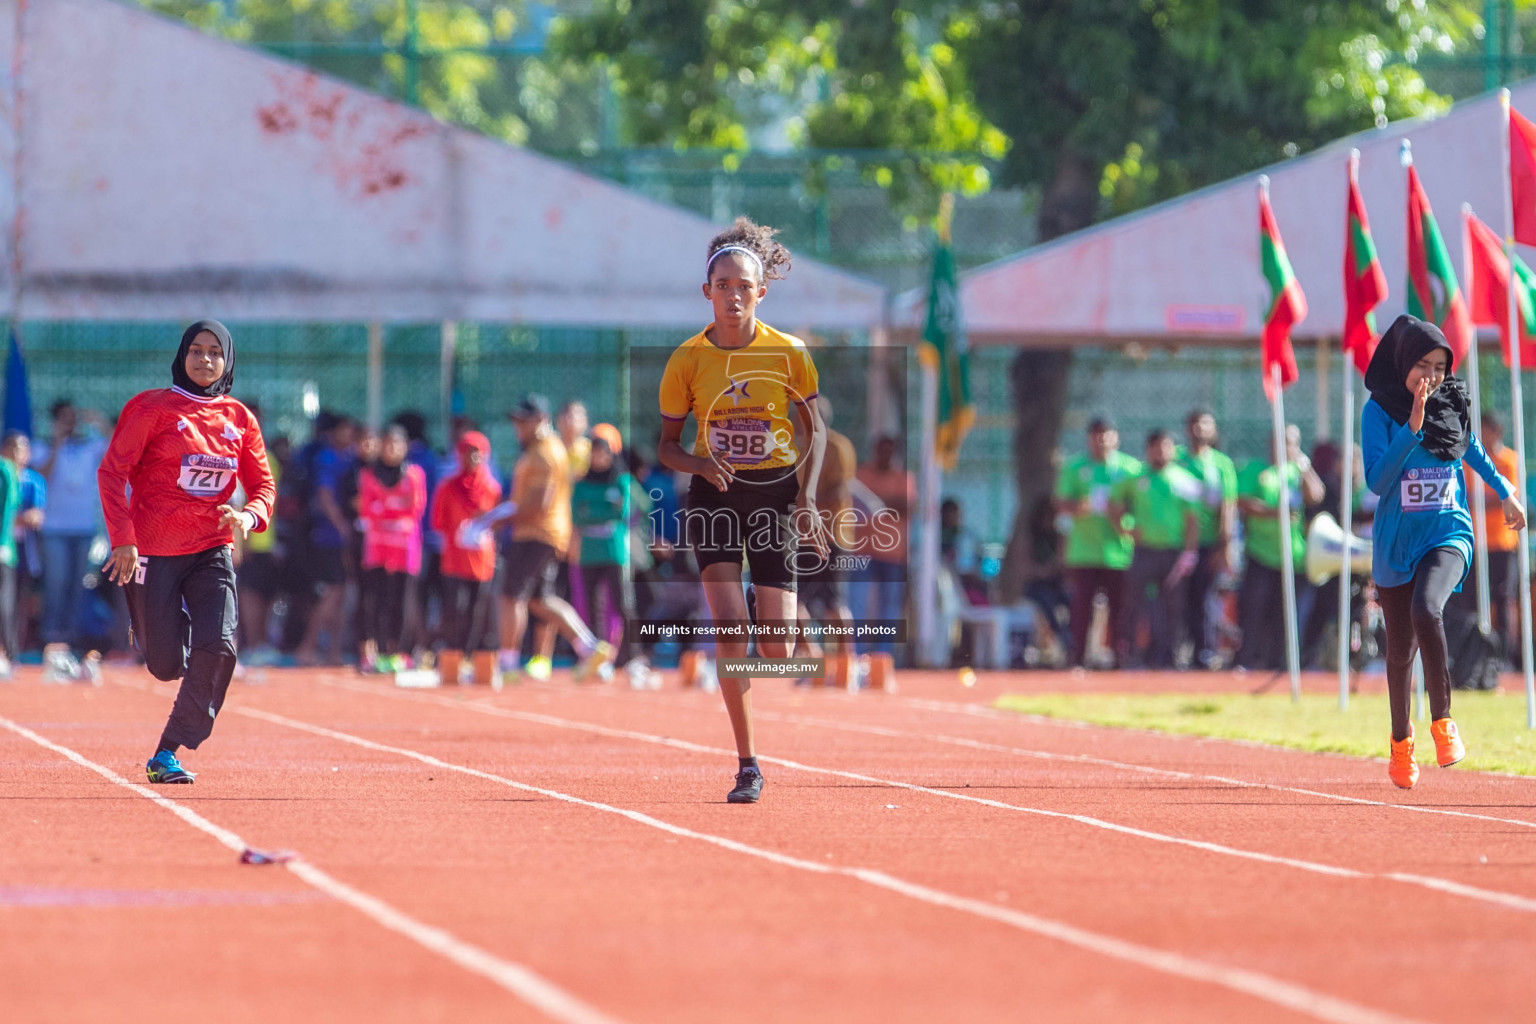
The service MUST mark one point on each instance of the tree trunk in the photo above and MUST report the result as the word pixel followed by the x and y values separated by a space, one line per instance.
pixel 1040 376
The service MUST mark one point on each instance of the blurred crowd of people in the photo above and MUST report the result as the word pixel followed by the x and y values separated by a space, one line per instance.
pixel 386 552
pixel 1174 560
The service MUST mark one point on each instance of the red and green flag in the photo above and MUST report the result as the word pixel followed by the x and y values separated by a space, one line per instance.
pixel 1488 284
pixel 1287 304
pixel 1365 283
pixel 1433 292
pixel 1522 175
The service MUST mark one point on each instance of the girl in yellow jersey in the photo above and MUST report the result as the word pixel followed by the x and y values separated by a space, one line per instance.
pixel 755 464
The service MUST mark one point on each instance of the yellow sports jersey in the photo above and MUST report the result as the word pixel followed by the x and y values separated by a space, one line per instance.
pixel 741 397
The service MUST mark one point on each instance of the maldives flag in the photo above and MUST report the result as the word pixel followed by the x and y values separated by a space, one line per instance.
pixel 1365 283
pixel 1287 304
pixel 1522 175
pixel 1486 290
pixel 1433 293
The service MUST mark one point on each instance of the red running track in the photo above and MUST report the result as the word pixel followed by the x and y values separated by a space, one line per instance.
pixel 564 853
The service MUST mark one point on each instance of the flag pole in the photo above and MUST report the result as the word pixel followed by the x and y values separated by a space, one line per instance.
pixel 1517 414
pixel 1479 500
pixel 1287 557
pixel 1346 491
pixel 1346 520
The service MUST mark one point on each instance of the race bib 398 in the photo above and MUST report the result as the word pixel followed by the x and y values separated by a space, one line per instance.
pixel 1429 490
pixel 206 476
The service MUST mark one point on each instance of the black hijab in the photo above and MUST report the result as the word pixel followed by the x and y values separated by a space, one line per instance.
pixel 179 365
pixel 1447 419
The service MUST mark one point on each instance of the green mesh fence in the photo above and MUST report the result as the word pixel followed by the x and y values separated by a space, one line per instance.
pixel 292 370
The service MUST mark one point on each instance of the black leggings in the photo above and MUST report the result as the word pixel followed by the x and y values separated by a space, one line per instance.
pixel 469 614
pixel 1415 620
pixel 621 594
pixel 184 615
pixel 383 599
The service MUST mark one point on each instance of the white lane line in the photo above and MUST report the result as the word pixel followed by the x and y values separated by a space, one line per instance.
pixel 1261 986
pixel 1507 900
pixel 515 978
pixel 1046 755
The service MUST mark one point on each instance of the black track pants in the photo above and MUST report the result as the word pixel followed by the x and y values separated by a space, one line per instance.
pixel 1414 614
pixel 184 617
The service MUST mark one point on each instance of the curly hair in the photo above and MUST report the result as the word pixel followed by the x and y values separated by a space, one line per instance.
pixel 758 238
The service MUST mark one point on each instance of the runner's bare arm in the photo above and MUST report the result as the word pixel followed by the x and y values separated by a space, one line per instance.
pixel 670 453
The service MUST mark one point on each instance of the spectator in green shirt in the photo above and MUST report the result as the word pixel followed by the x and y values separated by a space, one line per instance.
pixel 1163 500
pixel 600 513
pixel 1261 602
pixel 1218 514
pixel 10 507
pixel 1098 551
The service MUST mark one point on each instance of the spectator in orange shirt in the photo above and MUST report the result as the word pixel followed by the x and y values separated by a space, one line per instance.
pixel 1503 543
pixel 541 532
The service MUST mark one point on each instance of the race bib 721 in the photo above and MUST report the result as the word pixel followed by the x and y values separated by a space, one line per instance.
pixel 1429 490
pixel 206 476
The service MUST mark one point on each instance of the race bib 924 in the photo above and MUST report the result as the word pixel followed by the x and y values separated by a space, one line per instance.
pixel 1429 490
pixel 206 476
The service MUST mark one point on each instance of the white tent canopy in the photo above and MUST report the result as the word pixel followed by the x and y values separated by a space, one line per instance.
pixel 1187 270
pixel 160 173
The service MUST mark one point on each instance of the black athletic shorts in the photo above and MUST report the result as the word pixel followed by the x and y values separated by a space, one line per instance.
pixel 530 570
pixel 824 591
pixel 751 518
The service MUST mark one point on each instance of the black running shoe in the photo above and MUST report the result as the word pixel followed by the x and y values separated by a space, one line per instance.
pixel 749 786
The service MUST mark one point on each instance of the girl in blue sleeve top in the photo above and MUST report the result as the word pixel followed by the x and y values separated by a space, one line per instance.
pixel 1415 431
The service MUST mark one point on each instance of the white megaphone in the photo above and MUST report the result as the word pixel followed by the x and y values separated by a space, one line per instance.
pixel 1325 551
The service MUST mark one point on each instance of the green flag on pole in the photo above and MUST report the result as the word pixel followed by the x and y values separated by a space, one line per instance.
pixel 945 347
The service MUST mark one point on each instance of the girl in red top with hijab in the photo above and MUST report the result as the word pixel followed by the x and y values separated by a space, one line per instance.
pixel 166 484
pixel 469 561
pixel 391 498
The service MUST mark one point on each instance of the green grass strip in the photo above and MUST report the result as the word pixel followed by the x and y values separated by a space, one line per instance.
pixel 1492 724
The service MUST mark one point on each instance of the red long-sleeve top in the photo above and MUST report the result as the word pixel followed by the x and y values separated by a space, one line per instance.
pixel 452 506
pixel 174 459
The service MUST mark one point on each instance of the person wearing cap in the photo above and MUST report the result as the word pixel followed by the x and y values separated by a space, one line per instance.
pixel 541 531
pixel 1099 549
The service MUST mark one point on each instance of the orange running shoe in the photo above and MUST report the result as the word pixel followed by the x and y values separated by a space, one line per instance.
pixel 1448 746
pixel 1402 769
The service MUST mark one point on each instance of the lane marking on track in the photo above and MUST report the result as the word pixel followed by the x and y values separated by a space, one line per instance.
pixel 515 978
pixel 1003 717
pixel 1007 716
pixel 1261 986
pixel 1509 901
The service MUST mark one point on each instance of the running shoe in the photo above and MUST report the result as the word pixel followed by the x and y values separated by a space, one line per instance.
pixel 595 663
pixel 539 669
pixel 164 768
pixel 749 786
pixel 1402 769
pixel 1448 746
